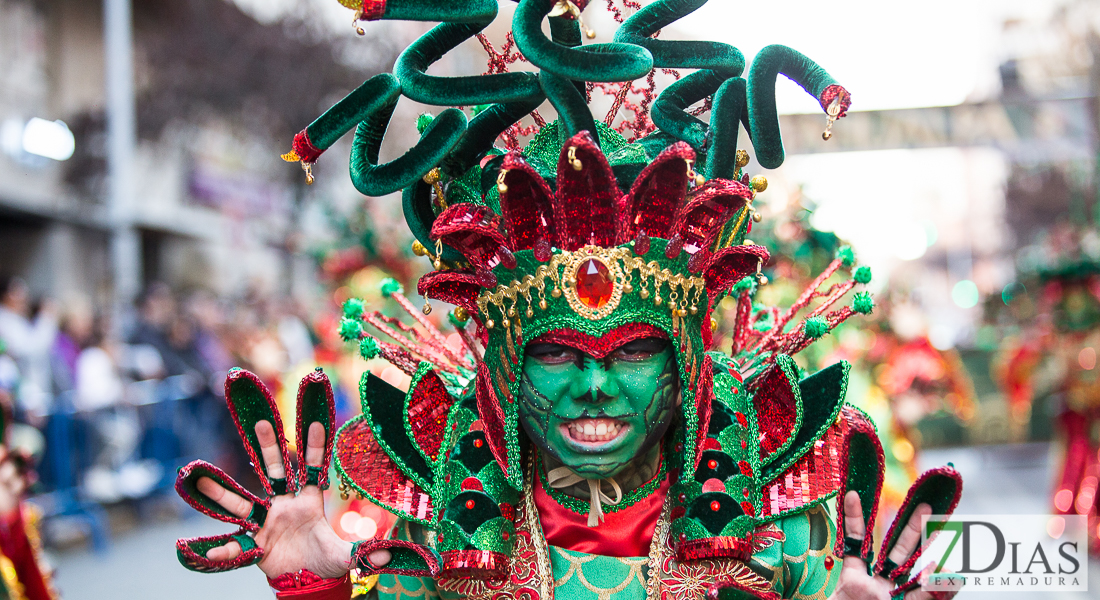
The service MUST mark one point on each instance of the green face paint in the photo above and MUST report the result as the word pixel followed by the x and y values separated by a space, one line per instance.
pixel 598 415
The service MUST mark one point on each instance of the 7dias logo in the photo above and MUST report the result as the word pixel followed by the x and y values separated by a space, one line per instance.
pixel 1004 553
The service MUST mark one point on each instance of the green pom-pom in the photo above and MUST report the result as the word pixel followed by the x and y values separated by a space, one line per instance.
pixel 862 275
pixel 863 303
pixel 353 308
pixel 423 121
pixel 368 348
pixel 390 286
pixel 846 255
pixel 816 327
pixel 747 284
pixel 350 329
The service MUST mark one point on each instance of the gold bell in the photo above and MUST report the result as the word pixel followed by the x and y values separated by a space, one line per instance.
pixel 461 314
pixel 419 249
pixel 757 217
pixel 742 158
pixel 427 308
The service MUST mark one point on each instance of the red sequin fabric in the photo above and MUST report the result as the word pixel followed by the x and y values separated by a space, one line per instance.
pixel 599 347
pixel 304 148
pixel 836 91
pixel 525 200
pixel 776 410
pixel 428 409
pixel 372 471
pixel 584 205
pixel 815 476
pixel 656 196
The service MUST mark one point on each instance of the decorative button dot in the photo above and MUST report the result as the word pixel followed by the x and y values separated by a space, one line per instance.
pixel 478 443
pixel 504 536
pixel 715 506
pixel 712 464
pixel 469 505
pixel 683 498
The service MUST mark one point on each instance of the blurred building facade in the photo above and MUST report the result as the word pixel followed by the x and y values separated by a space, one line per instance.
pixel 215 208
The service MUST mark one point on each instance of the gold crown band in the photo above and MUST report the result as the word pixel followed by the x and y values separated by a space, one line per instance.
pixel 618 264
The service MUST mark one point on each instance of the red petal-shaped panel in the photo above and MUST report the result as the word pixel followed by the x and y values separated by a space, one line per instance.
pixel 587 196
pixel 454 287
pixel 655 198
pixel 366 464
pixel 492 416
pixel 704 397
pixel 526 204
pixel 708 208
pixel 473 230
pixel 428 407
pixel 777 408
pixel 730 265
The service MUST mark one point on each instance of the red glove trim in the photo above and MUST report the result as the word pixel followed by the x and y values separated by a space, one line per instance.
pixel 306 585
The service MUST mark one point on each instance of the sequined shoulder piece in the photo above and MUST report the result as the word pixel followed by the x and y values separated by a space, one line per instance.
pixel 387 453
pixel 818 474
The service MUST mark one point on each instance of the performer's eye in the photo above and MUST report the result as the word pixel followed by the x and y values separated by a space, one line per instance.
pixel 553 354
pixel 639 349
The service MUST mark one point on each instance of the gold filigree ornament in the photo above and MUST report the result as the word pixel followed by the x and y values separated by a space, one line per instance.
pixel 621 269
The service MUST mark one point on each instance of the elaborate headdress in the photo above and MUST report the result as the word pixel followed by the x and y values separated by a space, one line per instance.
pixel 589 238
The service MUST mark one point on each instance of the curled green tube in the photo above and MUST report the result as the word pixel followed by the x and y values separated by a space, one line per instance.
pixel 457 91
pixel 729 109
pixel 763 117
pixel 439 137
pixel 596 62
pixel 640 27
pixel 669 109
pixel 448 11
pixel 483 131
pixel 570 104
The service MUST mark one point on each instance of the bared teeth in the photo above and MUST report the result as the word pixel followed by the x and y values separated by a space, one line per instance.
pixel 594 430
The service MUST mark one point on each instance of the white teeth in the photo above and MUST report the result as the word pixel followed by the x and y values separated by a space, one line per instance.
pixel 594 430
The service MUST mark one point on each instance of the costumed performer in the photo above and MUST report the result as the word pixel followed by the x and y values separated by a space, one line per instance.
pixel 588 441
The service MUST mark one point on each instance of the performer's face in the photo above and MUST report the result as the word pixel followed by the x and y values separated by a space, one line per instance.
pixel 597 415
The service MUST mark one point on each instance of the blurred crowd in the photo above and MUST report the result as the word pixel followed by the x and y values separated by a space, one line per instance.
pixel 138 391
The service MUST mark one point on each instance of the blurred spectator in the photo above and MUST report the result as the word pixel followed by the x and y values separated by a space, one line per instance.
pixel 29 340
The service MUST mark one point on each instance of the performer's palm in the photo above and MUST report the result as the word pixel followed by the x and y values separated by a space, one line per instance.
pixel 295 534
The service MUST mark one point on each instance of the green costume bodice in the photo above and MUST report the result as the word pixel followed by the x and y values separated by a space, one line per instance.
pixel 797 566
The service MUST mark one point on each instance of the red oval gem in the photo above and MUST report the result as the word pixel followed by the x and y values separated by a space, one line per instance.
pixel 715 506
pixel 504 536
pixel 469 505
pixel 594 284
pixel 712 464
pixel 829 563
pixel 478 443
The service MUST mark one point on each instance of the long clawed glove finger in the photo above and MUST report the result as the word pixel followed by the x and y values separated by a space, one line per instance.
pixel 212 492
pixel 398 557
pixel 316 408
pixel 935 492
pixel 863 475
pixel 254 412
pixel 202 554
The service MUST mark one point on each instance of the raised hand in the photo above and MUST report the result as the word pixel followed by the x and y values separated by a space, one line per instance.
pixel 936 491
pixel 289 532
pixel 855 582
